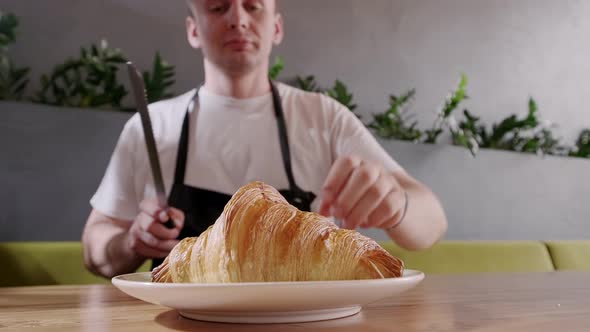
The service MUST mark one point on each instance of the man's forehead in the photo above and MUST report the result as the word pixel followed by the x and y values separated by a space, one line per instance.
pixel 205 1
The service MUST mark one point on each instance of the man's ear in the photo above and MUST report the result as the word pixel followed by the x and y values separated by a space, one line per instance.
pixel 279 32
pixel 192 33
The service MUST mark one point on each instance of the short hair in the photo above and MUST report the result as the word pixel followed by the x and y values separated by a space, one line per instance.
pixel 192 8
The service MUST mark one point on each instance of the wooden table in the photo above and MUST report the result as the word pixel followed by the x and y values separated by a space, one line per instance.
pixel 555 302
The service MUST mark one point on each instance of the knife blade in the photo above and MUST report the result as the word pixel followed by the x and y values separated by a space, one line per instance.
pixel 141 103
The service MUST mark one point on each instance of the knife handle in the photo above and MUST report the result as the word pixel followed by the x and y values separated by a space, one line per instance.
pixel 169 224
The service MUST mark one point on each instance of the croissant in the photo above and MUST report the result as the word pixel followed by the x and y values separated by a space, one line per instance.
pixel 261 237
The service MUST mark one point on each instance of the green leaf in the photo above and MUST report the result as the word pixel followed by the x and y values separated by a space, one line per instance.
pixel 276 68
pixel 511 127
pixel 307 83
pixel 8 25
pixel 470 133
pixel 159 80
pixel 89 80
pixel 340 93
pixel 432 135
pixel 582 148
pixel 13 80
pixel 451 104
pixel 456 98
pixel 392 124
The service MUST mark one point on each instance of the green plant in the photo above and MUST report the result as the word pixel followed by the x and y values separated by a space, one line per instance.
pixel 339 91
pixel 13 80
pixel 542 141
pixel 87 81
pixel 514 134
pixel 276 68
pixel 469 133
pixel 582 148
pixel 8 25
pixel 160 80
pixel 393 123
pixel 508 131
pixel 91 80
pixel 526 135
pixel 307 83
pixel 444 116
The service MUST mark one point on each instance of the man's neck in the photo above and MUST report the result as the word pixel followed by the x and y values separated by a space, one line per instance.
pixel 241 85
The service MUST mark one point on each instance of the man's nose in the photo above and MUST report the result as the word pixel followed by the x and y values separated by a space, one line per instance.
pixel 237 17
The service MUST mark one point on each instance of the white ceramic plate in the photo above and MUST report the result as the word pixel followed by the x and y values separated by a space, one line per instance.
pixel 266 302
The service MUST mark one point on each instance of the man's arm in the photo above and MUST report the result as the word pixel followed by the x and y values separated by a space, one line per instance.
pixel 364 194
pixel 113 247
pixel 424 222
pixel 367 188
pixel 106 251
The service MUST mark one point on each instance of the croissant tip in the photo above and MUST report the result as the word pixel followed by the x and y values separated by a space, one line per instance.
pixel 161 273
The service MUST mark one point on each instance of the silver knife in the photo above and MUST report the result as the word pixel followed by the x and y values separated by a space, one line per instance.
pixel 142 107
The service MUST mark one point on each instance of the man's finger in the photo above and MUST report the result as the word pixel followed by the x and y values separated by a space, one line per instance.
pixel 150 240
pixel 167 245
pixel 144 221
pixel 361 180
pixel 389 208
pixel 150 207
pixel 359 215
pixel 177 216
pixel 337 177
pixel 162 232
pixel 145 237
pixel 149 252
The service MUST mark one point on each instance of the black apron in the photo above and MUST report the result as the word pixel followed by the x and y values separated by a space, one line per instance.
pixel 202 207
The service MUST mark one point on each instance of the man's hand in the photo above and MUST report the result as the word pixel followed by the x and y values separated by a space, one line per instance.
pixel 148 237
pixel 362 194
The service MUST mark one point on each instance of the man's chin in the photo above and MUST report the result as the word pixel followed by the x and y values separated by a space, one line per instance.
pixel 241 63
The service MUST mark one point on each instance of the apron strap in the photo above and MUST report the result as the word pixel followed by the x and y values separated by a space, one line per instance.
pixel 283 137
pixel 183 143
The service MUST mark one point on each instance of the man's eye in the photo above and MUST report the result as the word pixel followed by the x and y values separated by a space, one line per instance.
pixel 253 7
pixel 217 8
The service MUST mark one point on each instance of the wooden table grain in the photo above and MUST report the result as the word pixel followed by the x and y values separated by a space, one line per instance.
pixel 555 302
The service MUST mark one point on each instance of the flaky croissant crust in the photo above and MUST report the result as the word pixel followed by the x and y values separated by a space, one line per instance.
pixel 261 237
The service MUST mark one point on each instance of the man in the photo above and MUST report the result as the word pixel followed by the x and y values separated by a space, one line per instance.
pixel 240 127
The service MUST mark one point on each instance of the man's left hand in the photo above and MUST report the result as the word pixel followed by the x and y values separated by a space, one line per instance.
pixel 362 194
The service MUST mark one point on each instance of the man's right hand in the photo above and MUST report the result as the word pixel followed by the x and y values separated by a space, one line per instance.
pixel 148 237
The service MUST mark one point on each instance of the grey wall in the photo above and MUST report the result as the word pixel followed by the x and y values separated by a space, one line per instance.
pixel 502 195
pixel 52 162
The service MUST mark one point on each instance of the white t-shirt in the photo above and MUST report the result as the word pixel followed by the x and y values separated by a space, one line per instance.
pixel 235 142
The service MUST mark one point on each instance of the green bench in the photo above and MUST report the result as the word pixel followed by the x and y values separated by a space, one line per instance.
pixel 570 255
pixel 476 257
pixel 60 263
pixel 45 263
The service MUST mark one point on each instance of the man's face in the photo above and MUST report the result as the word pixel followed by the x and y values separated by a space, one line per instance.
pixel 235 35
